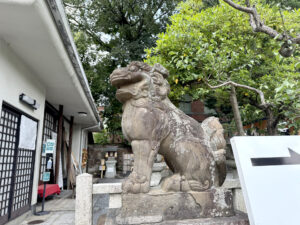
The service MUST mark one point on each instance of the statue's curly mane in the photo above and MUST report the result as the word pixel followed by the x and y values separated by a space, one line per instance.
pixel 136 66
pixel 139 66
pixel 160 87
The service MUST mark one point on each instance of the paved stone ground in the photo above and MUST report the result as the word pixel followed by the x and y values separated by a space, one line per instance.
pixel 61 208
pixel 62 212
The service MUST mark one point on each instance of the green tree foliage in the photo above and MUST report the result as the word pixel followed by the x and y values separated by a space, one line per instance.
pixel 111 33
pixel 295 4
pixel 217 45
pixel 210 3
pixel 101 137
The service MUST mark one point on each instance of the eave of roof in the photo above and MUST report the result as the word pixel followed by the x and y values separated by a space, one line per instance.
pixel 63 28
pixel 37 32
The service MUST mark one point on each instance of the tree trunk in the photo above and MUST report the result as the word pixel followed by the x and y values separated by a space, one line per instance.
pixel 271 122
pixel 236 112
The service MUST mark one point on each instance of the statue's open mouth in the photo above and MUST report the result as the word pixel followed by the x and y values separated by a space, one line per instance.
pixel 117 81
pixel 124 94
pixel 118 78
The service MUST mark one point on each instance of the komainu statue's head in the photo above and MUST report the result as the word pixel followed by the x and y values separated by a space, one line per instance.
pixel 139 80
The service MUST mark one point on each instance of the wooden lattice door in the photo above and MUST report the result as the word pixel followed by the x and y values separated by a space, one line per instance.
pixel 16 168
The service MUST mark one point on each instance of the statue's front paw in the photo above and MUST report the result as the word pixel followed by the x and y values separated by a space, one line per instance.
pixel 136 184
pixel 127 186
pixel 145 187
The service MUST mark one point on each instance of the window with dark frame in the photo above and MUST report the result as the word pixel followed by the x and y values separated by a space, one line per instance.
pixel 50 125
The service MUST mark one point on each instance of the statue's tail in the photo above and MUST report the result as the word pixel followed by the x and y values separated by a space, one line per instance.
pixel 215 141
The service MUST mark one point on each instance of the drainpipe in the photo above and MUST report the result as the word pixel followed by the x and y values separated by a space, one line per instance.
pixel 82 142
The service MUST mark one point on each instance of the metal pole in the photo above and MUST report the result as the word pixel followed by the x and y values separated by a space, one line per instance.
pixel 42 212
pixel 44 193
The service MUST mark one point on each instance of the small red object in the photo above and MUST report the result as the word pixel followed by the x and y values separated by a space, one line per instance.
pixel 50 190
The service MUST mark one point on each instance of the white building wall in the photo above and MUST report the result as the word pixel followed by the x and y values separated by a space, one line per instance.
pixel 76 140
pixel 16 78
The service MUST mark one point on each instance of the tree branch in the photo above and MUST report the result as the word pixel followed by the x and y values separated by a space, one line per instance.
pixel 75 6
pixel 239 7
pixel 258 25
pixel 94 36
pixel 231 83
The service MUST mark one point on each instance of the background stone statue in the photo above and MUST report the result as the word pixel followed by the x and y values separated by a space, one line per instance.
pixel 152 124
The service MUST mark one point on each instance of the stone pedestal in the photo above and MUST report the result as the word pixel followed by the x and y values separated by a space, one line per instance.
pixel 232 182
pixel 158 206
pixel 237 219
pixel 110 168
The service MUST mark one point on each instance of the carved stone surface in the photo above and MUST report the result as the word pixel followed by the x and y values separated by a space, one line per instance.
pixel 158 206
pixel 152 124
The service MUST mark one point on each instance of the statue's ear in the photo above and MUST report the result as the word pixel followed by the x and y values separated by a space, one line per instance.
pixel 157 78
pixel 162 70
pixel 164 89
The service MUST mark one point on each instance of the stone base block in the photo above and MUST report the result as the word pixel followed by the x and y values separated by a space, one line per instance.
pixel 238 219
pixel 238 200
pixel 158 206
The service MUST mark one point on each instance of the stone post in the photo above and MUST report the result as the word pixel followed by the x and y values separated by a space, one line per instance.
pixel 84 200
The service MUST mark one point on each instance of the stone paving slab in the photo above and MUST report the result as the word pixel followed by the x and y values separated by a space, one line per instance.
pixel 62 212
pixel 54 218
pixel 59 205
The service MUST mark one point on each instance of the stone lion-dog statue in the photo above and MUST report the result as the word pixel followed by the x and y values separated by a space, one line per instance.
pixel 152 124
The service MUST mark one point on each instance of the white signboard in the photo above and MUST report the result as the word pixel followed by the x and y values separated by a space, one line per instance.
pixel 28 133
pixel 50 146
pixel 269 171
